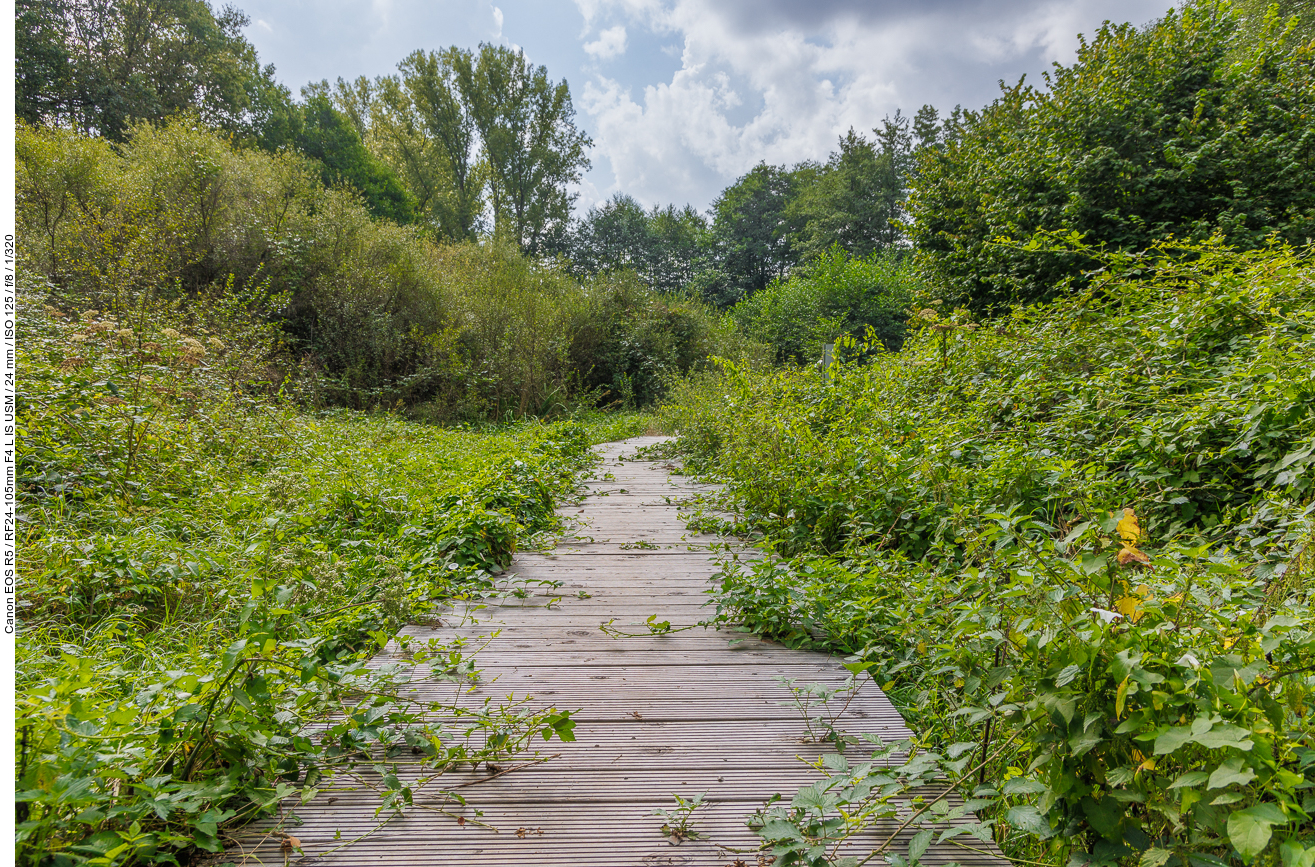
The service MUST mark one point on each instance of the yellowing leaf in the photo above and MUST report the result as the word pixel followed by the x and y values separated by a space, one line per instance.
pixel 1130 607
pixel 1129 555
pixel 1128 528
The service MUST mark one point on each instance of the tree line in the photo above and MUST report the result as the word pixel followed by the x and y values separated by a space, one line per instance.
pixel 1198 125
pixel 463 143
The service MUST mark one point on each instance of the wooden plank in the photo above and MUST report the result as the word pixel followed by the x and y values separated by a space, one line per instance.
pixel 698 710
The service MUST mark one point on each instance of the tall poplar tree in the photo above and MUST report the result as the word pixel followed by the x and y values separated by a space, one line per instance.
pixel 534 150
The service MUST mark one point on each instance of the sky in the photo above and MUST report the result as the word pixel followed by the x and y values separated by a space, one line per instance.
pixel 681 97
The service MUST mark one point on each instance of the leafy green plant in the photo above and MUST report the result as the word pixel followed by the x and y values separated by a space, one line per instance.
pixel 821 706
pixel 679 820
pixel 1139 140
pixel 207 572
pixel 1066 543
pixel 652 626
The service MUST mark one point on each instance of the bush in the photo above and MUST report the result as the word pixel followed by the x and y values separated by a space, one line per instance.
pixel 833 296
pixel 628 343
pixel 1071 543
pixel 1175 130
pixel 376 314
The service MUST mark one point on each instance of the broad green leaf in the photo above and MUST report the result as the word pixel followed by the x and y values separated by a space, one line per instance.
pixel 1224 735
pixel 1231 772
pixel 780 829
pixel 1029 819
pixel 1295 854
pixel 1172 739
pixel 1067 675
pixel 1154 857
pixel 1022 786
pixel 1249 831
pixel 1191 778
pixel 918 845
pixel 835 763
pixel 816 797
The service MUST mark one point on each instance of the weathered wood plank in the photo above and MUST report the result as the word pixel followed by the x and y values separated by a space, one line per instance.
pixel 695 711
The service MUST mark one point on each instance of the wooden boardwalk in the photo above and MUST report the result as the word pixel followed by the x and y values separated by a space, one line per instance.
pixel 685 713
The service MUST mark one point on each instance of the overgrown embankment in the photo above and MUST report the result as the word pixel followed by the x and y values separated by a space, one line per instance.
pixel 371 314
pixel 205 571
pixel 1072 543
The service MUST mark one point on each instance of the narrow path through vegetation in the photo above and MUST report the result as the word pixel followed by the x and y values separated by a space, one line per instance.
pixel 607 624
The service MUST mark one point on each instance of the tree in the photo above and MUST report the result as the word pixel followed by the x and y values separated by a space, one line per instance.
pixel 42 67
pixel 534 150
pixel 614 235
pixel 330 138
pixel 101 66
pixel 751 229
pixel 430 128
pixel 681 237
pixel 1252 14
pixel 853 202
pixel 665 247
pixel 1179 129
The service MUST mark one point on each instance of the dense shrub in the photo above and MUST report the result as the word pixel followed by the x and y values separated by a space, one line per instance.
pixel 1179 129
pixel 833 296
pixel 376 313
pixel 628 343
pixel 1074 545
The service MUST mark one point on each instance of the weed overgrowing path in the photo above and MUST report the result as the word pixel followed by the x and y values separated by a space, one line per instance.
pixel 606 625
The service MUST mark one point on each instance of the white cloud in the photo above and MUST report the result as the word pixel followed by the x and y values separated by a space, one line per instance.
pixel 264 25
pixel 609 44
pixel 782 81
pixel 497 23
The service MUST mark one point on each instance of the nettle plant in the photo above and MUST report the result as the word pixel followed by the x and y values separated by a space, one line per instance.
pixel 1107 702
pixel 139 774
pixel 207 571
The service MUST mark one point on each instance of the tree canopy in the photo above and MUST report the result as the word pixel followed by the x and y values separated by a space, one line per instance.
pixel 329 138
pixel 1186 128
pixel 100 66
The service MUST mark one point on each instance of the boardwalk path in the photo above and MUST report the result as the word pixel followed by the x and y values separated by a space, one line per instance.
pixel 698 711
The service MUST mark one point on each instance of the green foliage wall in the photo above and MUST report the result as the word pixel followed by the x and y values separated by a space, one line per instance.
pixel 1105 686
pixel 207 571
pixel 833 296
pixel 376 313
pixel 665 247
pixel 1176 130
pixel 330 139
pixel 103 66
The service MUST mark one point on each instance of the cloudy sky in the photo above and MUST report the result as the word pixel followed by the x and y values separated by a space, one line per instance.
pixel 683 96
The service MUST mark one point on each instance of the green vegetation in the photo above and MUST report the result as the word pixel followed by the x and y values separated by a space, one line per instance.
pixel 1190 128
pixel 1055 497
pixel 833 298
pixel 665 247
pixel 372 313
pixel 101 67
pixel 1074 544
pixel 206 571
pixel 460 124
pixel 329 138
